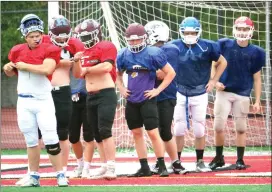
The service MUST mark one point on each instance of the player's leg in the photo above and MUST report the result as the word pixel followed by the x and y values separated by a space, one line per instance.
pixel 74 135
pixel 46 119
pixel 88 136
pixel 166 112
pixel 181 121
pixel 240 112
pixel 106 113
pixel 222 107
pixel 150 117
pixel 28 126
pixel 198 110
pixel 135 124
pixel 63 106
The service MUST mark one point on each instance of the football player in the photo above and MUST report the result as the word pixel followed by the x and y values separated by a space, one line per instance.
pixel 245 61
pixel 193 84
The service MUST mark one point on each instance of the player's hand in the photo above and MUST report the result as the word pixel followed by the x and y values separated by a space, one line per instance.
pixel 160 74
pixel 78 56
pixel 22 66
pixel 209 87
pixel 256 107
pixel 220 86
pixel 124 92
pixel 152 93
pixel 9 67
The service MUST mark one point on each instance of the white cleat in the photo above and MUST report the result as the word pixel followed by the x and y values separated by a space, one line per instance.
pixel 30 181
pixel 62 180
pixel 98 173
pixel 110 174
pixel 85 173
pixel 77 172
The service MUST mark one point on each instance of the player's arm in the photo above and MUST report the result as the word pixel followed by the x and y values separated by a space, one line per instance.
pixel 65 63
pixel 169 75
pixel 9 69
pixel 100 68
pixel 218 68
pixel 46 68
pixel 77 69
pixel 257 86
pixel 120 84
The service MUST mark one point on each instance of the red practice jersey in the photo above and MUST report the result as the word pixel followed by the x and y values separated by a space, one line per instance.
pixel 35 56
pixel 101 52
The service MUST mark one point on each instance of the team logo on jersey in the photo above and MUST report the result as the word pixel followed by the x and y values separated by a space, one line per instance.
pixel 134 74
pixel 94 61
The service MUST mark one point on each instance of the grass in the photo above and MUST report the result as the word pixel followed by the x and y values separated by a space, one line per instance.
pixel 211 188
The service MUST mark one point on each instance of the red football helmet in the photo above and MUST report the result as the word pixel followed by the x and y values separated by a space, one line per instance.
pixel 60 30
pixel 136 31
pixel 243 28
pixel 89 32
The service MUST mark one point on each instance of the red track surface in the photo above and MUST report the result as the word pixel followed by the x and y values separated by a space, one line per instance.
pixel 257 164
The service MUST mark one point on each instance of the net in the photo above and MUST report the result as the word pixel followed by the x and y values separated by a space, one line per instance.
pixel 217 20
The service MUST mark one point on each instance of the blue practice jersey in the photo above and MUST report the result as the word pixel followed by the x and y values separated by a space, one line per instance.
pixel 141 69
pixel 194 66
pixel 77 85
pixel 172 52
pixel 243 63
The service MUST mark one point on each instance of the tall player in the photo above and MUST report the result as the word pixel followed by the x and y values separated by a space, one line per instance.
pixel 193 83
pixel 158 35
pixel 34 62
pixel 97 65
pixel 79 118
pixel 245 61
pixel 141 64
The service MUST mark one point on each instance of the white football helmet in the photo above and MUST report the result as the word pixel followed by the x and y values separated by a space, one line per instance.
pixel 157 31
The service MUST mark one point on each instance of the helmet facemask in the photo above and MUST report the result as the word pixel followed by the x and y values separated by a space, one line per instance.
pixel 190 39
pixel 89 39
pixel 60 40
pixel 137 47
pixel 243 32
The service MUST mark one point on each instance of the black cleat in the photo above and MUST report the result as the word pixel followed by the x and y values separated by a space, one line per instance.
pixel 141 173
pixel 240 165
pixel 217 162
pixel 178 168
pixel 163 172
pixel 155 169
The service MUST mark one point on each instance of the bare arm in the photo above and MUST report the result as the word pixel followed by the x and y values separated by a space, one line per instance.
pixel 120 84
pixel 99 68
pixel 168 78
pixel 220 66
pixel 9 69
pixel 46 68
pixel 257 86
pixel 77 69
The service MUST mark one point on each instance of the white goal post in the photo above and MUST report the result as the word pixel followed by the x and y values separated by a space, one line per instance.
pixel 217 20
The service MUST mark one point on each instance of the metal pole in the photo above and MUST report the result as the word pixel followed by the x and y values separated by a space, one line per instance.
pixel 268 76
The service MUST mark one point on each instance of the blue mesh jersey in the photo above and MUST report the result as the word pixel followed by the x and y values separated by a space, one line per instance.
pixel 194 66
pixel 172 52
pixel 141 69
pixel 243 63
pixel 77 85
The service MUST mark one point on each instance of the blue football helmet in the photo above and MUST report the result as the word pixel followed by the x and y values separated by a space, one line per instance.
pixel 31 23
pixel 190 24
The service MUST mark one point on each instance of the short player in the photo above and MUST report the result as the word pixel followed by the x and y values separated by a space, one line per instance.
pixel 34 62
pixel 193 84
pixel 141 63
pixel 97 65
pixel 245 61
pixel 158 35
